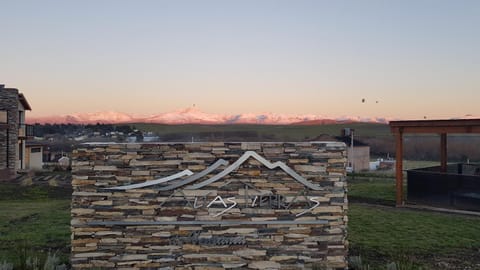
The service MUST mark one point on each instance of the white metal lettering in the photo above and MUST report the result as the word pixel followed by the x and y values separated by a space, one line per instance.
pixel 317 203
pixel 214 201
pixel 232 200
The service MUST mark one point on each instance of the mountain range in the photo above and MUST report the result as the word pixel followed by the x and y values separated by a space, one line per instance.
pixel 193 115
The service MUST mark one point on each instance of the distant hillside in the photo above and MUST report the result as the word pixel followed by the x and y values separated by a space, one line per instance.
pixel 241 132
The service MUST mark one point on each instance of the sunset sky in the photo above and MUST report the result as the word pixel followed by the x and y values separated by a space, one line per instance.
pixel 415 58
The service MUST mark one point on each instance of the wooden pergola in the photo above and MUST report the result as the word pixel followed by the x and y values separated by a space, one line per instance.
pixel 441 127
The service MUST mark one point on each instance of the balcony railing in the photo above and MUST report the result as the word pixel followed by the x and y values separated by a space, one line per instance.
pixel 458 187
pixel 25 131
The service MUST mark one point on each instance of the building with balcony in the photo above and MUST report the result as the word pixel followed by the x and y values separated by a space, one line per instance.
pixel 13 132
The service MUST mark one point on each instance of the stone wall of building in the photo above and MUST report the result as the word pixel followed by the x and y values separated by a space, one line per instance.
pixel 209 206
pixel 8 132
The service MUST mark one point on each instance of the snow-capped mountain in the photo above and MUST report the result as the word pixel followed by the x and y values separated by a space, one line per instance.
pixel 84 118
pixel 193 115
pixel 189 115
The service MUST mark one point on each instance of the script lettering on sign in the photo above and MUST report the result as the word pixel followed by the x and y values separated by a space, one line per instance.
pixel 195 238
pixel 268 200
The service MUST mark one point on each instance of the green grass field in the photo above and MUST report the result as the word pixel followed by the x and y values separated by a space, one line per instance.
pixel 385 234
pixel 381 233
pixel 33 221
pixel 400 230
pixel 372 190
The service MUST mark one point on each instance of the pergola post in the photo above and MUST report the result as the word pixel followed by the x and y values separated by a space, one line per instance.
pixel 399 167
pixel 443 152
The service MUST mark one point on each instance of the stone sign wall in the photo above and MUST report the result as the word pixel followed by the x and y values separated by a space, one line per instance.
pixel 209 206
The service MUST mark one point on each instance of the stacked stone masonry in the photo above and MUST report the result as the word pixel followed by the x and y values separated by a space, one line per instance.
pixel 251 218
pixel 8 132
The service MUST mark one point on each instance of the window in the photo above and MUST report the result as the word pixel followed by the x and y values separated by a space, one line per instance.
pixel 3 117
pixel 21 117
pixel 36 150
